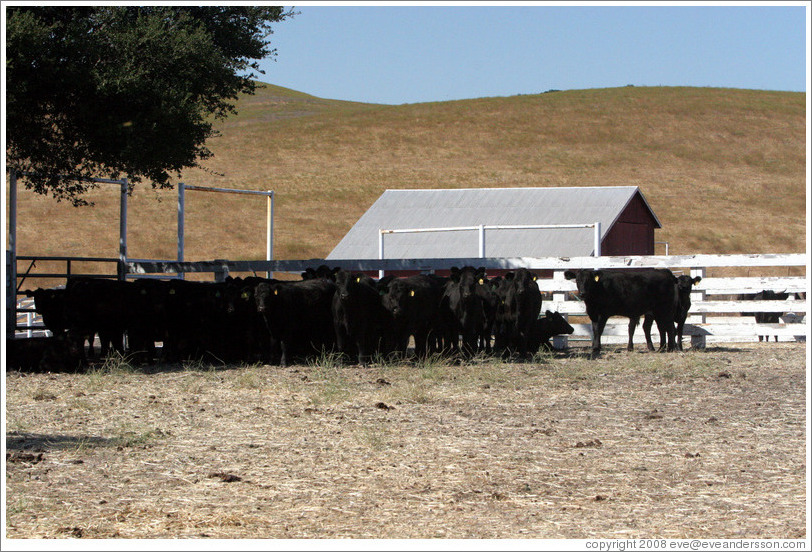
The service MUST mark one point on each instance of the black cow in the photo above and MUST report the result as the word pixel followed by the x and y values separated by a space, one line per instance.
pixel 631 293
pixel 414 302
pixel 323 271
pixel 50 304
pixel 362 324
pixel 462 310
pixel 683 289
pixel 193 320
pixel 146 317
pixel 518 310
pixel 298 316
pixel 504 314
pixel 96 306
pixel 244 334
pixel 766 317
pixel 684 286
pixel 545 327
pixel 55 353
pixel 490 307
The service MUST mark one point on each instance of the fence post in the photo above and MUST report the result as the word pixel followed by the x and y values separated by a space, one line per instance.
pixel 269 230
pixel 122 232
pixel 380 250
pixel 697 341
pixel 597 239
pixel 181 223
pixel 481 241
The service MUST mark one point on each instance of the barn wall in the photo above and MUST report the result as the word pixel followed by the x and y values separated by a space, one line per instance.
pixel 633 233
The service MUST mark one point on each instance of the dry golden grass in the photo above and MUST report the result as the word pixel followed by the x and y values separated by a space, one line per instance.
pixel 723 169
pixel 701 444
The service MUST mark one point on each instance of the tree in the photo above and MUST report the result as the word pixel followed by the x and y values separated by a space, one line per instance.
pixel 124 90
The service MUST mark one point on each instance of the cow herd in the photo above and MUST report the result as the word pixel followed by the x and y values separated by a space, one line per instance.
pixel 333 311
pixel 281 322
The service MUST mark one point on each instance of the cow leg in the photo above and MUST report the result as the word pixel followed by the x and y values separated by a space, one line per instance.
pixel 597 331
pixel 680 327
pixel 668 324
pixel 420 341
pixel 633 321
pixel 647 322
pixel 283 359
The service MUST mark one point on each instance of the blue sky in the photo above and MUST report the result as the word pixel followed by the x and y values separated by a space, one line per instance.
pixel 394 54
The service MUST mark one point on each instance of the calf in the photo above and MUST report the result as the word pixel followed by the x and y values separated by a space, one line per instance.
pixel 462 309
pixel 683 297
pixel 414 303
pixel 549 325
pixel 50 304
pixel 766 317
pixel 518 310
pixel 362 324
pixel 627 292
pixel 94 305
pixel 298 316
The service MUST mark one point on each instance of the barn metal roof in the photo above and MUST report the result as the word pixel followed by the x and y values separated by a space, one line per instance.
pixel 400 209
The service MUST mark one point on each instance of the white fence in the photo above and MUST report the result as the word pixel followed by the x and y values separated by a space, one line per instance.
pixel 715 314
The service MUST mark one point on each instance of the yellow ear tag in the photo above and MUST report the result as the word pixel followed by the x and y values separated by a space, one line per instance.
pixel 411 293
pixel 358 280
pixel 276 292
pixel 535 278
pixel 481 282
pixel 597 278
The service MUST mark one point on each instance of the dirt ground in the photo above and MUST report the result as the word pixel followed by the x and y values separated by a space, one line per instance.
pixel 701 444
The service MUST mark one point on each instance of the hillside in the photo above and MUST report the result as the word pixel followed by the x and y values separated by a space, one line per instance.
pixel 723 169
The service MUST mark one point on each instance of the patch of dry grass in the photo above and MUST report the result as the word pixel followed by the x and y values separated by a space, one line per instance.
pixel 706 444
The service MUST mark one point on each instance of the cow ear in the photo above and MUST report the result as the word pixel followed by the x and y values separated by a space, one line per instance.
pixel 697 279
pixel 569 275
pixel 548 314
pixel 29 293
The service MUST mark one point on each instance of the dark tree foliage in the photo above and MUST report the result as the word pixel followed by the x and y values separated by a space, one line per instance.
pixel 124 90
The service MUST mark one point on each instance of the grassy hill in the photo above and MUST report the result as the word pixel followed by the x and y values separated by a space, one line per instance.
pixel 723 169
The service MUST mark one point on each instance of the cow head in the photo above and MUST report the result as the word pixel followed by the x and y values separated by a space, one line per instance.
pixel 347 283
pixel 265 294
pixel 468 280
pixel 51 305
pixel 399 298
pixel 587 280
pixel 557 324
pixel 239 296
pixel 685 283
